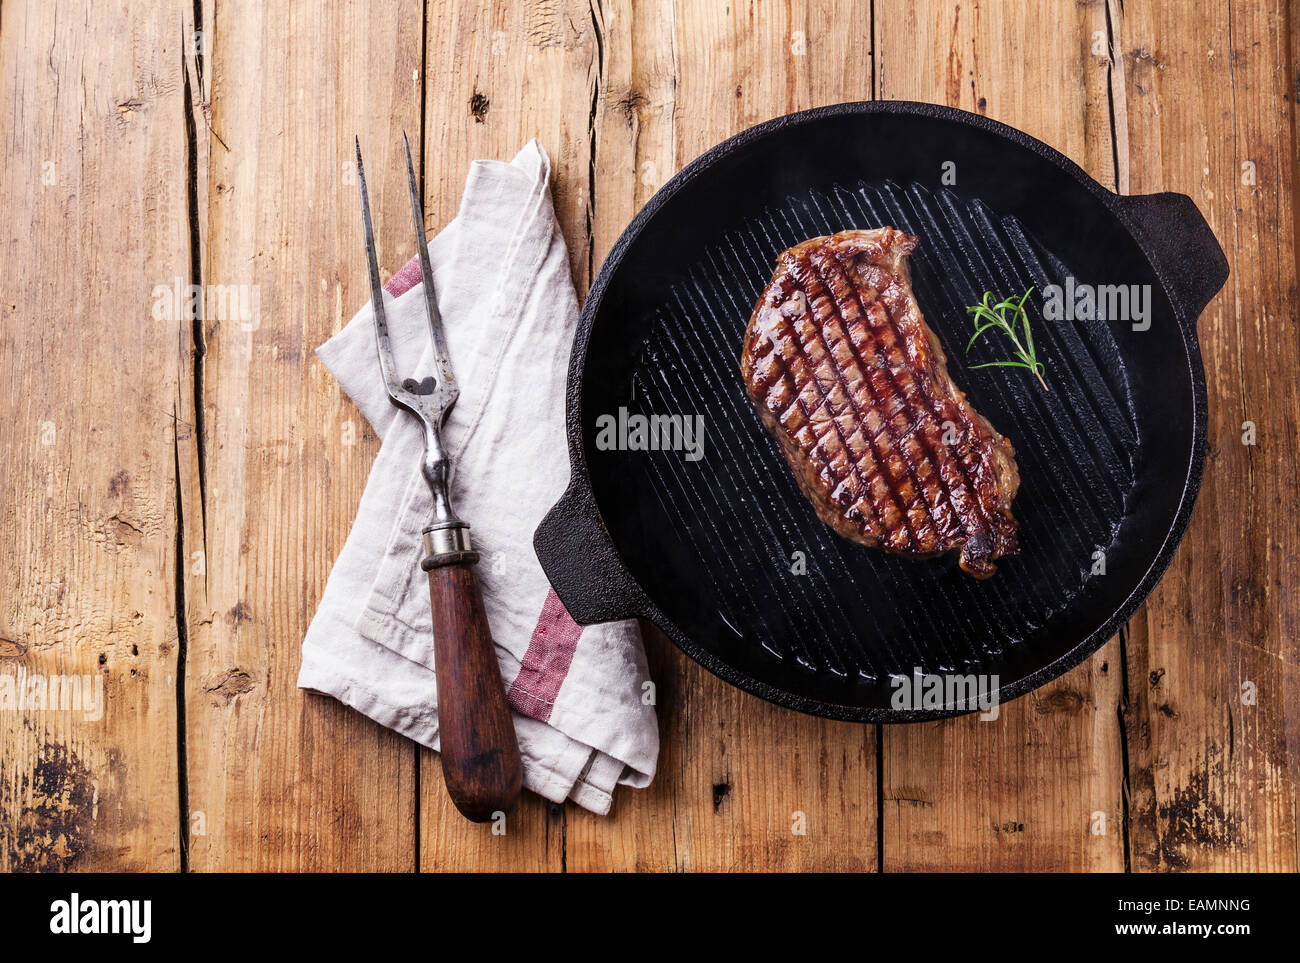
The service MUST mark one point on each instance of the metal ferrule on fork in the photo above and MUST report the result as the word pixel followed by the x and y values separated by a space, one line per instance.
pixel 446 543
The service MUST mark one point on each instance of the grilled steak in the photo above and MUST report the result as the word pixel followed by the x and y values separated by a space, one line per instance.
pixel 855 387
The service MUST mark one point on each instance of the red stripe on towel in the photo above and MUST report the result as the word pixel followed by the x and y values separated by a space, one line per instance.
pixel 546 661
pixel 405 279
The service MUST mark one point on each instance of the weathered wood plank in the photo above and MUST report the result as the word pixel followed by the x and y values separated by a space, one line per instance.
pixel 1035 789
pixel 279 779
pixel 500 75
pixel 742 785
pixel 1210 103
pixel 94 158
pixel 268 487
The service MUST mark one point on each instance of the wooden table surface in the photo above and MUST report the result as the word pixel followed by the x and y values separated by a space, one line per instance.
pixel 175 491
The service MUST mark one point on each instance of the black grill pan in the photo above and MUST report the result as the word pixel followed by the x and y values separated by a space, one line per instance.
pixel 724 553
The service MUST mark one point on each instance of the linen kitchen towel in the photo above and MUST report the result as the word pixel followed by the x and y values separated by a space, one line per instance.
pixel 501 271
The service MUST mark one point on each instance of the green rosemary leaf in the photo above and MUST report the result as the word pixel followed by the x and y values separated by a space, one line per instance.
pixel 1010 317
pixel 978 332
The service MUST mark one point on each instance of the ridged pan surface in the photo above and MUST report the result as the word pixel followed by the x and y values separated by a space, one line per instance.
pixel 744 518
pixel 731 555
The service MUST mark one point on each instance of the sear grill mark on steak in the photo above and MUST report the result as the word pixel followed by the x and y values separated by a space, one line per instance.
pixel 854 386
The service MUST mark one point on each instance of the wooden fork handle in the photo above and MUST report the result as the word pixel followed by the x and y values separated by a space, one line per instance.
pixel 480 754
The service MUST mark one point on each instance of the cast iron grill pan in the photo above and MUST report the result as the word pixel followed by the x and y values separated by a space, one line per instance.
pixel 726 554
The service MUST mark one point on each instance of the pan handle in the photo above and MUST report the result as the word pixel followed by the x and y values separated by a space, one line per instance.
pixel 581 562
pixel 1182 248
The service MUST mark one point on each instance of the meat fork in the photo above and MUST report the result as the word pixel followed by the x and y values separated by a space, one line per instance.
pixel 480 753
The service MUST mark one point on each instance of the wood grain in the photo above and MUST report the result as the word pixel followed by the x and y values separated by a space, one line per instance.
pixel 93 362
pixel 500 75
pixel 281 779
pixel 1040 788
pixel 1210 103
pixel 175 535
pixel 741 784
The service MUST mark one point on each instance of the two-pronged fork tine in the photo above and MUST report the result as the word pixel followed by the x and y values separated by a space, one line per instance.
pixel 430 399
pixel 480 753
pixel 376 287
pixel 441 357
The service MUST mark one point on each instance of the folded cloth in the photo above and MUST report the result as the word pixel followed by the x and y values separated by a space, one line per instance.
pixel 506 297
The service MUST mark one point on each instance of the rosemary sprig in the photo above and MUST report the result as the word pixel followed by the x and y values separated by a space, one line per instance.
pixel 1006 316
